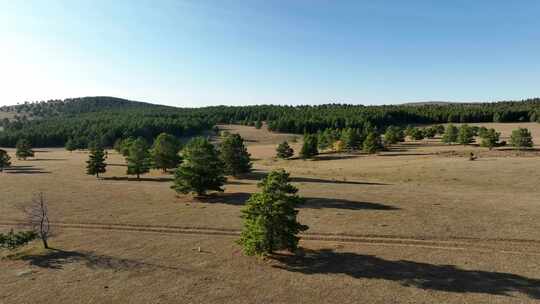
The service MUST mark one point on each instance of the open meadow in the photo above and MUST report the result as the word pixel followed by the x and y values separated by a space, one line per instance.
pixel 420 220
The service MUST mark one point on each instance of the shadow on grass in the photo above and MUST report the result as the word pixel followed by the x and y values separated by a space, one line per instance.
pixel 142 179
pixel 25 170
pixel 47 159
pixel 240 198
pixel 447 278
pixel 56 259
pixel 259 175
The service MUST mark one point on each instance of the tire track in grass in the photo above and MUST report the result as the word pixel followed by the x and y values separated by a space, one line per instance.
pixel 463 244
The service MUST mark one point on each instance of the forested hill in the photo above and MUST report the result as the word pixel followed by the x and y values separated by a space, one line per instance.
pixel 104 119
pixel 107 119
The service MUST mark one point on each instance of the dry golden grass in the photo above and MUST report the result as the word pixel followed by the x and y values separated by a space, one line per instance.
pixel 418 224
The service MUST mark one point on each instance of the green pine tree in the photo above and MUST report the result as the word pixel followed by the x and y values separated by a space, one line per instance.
pixel 138 159
pixel 309 146
pixel 165 152
pixel 489 137
pixel 235 156
pixel 270 218
pixel 5 160
pixel 372 143
pixel 201 169
pixel 258 124
pixel 450 135
pixel 465 135
pixel 284 150
pixel 71 145
pixel 96 161
pixel 521 138
pixel 24 149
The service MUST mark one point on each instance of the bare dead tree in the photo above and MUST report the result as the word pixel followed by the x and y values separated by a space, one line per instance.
pixel 37 217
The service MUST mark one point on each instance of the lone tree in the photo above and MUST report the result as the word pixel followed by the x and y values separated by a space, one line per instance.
pixel 309 147
pixel 138 160
pixel 351 138
pixel 490 138
pixel 234 155
pixel 450 135
pixel 96 161
pixel 284 150
pixel 521 138
pixel 5 160
pixel 165 152
pixel 201 169
pixel 258 124
pixel 372 143
pixel 24 149
pixel 270 222
pixel 37 217
pixel 71 145
pixel 465 135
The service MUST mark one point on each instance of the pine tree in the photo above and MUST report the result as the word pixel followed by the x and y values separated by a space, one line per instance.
pixel 164 152
pixel 372 143
pixel 138 160
pixel 521 138
pixel 258 124
pixel 309 147
pixel 5 160
pixel 322 140
pixel 201 169
pixel 71 145
pixel 351 138
pixel 393 135
pixel 490 138
pixel 284 150
pixel 270 220
pixel 450 135
pixel 338 146
pixel 465 135
pixel 416 134
pixel 96 161
pixel 24 149
pixel 235 156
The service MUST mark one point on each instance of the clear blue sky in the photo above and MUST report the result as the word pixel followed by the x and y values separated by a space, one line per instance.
pixel 195 53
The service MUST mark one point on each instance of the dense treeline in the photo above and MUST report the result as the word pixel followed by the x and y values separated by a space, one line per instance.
pixel 103 120
pixel 106 119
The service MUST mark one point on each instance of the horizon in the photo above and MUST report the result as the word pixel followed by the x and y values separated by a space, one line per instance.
pixel 203 53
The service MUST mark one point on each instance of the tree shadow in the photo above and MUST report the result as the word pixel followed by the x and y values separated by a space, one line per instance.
pixel 142 179
pixel 25 170
pixel 258 175
pixel 56 259
pixel 447 278
pixel 321 202
pixel 240 198
pixel 47 159
pixel 327 157
pixel 390 154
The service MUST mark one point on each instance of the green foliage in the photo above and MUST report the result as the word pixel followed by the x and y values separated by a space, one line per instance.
pixel 24 149
pixel 270 220
pixel 393 135
pixel 372 143
pixel 5 160
pixel 284 150
pixel 124 145
pixel 429 132
pixel 138 159
pixel 450 135
pixel 439 129
pixel 309 146
pixel 258 124
pixel 521 138
pixel 96 161
pixel 13 240
pixel 201 169
pixel 351 138
pixel 322 140
pixel 416 133
pixel 164 152
pixel 71 145
pixel 234 155
pixel 489 137
pixel 465 135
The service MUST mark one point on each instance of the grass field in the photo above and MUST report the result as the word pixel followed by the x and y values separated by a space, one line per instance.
pixel 417 224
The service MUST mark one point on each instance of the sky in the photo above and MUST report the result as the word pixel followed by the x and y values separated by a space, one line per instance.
pixel 200 53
